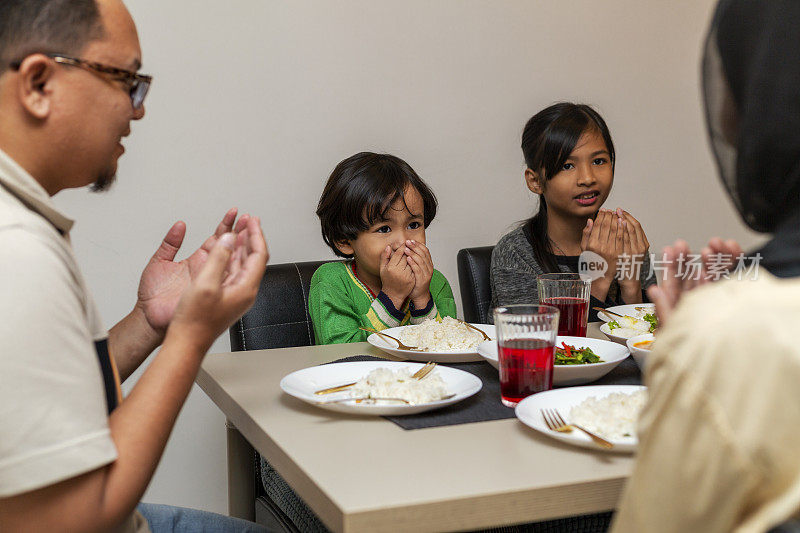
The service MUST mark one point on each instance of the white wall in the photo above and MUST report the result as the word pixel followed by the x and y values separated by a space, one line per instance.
pixel 254 102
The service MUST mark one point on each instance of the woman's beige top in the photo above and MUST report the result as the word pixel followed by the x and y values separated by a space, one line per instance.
pixel 720 434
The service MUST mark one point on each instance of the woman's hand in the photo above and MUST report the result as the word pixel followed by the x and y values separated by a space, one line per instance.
pixel 717 254
pixel 421 263
pixel 674 283
pixel 720 258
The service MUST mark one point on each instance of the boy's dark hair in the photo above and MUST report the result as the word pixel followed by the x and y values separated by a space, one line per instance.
pixel 359 192
pixel 46 26
pixel 547 140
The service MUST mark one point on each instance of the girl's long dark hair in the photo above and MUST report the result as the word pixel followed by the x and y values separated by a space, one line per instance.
pixel 547 140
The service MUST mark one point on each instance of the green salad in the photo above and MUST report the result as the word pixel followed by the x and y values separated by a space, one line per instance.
pixel 570 355
pixel 647 324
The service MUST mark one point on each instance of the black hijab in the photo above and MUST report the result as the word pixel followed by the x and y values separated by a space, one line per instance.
pixel 751 84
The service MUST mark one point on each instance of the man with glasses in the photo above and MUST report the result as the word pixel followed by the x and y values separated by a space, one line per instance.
pixel 73 454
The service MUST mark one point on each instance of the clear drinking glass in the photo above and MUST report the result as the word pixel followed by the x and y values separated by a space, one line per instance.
pixel 569 293
pixel 526 340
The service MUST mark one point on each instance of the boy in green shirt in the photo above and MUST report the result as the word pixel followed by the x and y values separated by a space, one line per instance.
pixel 374 211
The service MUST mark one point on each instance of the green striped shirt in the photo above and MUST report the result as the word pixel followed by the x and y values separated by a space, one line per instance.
pixel 339 303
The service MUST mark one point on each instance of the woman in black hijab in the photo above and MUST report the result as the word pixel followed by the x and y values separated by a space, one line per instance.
pixel 751 82
pixel 718 438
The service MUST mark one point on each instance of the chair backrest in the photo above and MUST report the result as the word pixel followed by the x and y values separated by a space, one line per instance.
pixel 473 277
pixel 279 317
pixel 790 526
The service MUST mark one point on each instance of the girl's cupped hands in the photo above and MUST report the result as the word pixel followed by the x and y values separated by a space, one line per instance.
pixel 613 234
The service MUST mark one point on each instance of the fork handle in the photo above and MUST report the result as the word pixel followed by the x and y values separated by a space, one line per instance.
pixel 607 312
pixel 485 336
pixel 359 400
pixel 400 345
pixel 335 389
pixel 600 441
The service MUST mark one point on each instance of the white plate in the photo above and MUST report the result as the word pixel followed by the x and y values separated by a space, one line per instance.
pixel 640 354
pixel 529 413
pixel 303 383
pixel 566 375
pixel 464 356
pixel 628 309
pixel 604 329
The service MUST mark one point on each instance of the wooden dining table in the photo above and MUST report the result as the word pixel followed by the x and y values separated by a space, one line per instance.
pixel 363 473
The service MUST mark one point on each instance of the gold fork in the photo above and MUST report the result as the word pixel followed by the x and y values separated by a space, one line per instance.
pixel 485 336
pixel 400 345
pixel 609 313
pixel 365 398
pixel 555 422
pixel 419 374
pixel 424 371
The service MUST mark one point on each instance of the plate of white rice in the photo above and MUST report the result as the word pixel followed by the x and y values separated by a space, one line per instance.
pixel 610 411
pixel 448 341
pixel 381 379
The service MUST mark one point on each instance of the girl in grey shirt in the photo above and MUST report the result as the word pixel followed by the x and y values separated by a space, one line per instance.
pixel 570 165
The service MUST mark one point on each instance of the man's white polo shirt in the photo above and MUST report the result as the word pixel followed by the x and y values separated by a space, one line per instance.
pixel 56 384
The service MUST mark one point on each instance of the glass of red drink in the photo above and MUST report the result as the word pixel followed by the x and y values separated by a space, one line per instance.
pixel 526 339
pixel 569 293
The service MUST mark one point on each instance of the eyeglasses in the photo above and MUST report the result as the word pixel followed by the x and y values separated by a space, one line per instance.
pixel 136 84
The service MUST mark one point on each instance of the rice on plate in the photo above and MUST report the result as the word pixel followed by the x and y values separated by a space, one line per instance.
pixel 449 335
pixel 613 416
pixel 385 383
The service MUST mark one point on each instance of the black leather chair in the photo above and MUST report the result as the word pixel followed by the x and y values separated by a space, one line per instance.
pixel 278 319
pixel 473 277
pixel 790 526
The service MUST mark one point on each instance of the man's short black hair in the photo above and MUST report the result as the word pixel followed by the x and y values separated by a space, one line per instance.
pixel 46 26
pixel 359 192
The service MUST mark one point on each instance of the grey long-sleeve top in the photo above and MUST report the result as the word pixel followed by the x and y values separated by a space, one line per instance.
pixel 514 270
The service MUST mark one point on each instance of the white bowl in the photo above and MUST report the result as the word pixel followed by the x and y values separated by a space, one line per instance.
pixel 640 354
pixel 605 330
pixel 567 375
pixel 627 309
